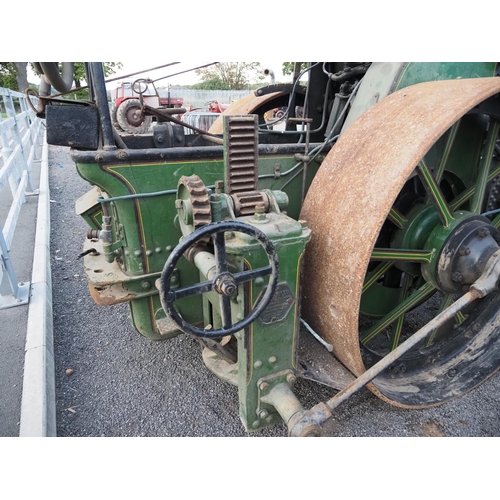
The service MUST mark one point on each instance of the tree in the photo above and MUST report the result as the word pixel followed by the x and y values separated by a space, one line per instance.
pixel 8 75
pixel 288 68
pixel 233 75
pixel 110 68
pixel 211 84
pixel 13 75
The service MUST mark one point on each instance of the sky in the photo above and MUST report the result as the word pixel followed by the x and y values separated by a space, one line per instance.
pixel 189 78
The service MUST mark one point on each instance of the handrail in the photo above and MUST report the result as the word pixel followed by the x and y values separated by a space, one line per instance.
pixel 20 137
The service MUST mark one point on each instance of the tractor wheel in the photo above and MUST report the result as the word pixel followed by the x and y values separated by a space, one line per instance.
pixel 130 119
pixel 397 236
pixel 114 120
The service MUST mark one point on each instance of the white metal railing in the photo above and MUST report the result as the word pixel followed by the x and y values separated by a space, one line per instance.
pixel 20 135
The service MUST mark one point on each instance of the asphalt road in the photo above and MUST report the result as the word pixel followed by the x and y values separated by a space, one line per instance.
pixel 125 385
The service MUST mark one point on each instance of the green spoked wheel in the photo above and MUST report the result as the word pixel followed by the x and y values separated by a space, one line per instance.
pixel 398 236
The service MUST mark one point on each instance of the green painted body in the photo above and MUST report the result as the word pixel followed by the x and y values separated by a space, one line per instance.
pixel 145 230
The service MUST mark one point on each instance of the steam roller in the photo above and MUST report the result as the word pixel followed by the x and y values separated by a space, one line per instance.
pixel 358 245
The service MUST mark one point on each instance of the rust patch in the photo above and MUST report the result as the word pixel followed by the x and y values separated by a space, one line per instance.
pixel 105 298
pixel 355 188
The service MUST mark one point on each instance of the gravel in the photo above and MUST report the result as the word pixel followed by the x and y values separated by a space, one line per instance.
pixel 110 381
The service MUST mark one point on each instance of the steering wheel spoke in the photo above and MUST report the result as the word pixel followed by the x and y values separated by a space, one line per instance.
pixel 224 283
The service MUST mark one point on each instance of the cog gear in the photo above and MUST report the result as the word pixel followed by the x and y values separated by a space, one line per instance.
pixel 193 204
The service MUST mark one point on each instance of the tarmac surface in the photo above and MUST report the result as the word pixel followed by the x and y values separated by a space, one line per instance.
pixel 121 384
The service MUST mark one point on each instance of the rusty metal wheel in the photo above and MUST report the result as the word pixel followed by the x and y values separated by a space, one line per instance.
pixel 398 236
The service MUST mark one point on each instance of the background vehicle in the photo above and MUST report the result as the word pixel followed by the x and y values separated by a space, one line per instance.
pixel 361 250
pixel 126 107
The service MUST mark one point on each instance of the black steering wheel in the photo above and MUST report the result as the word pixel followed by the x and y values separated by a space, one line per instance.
pixel 224 282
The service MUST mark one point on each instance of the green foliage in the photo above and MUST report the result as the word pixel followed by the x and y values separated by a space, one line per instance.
pixel 109 69
pixel 230 75
pixel 211 84
pixel 8 73
pixel 288 67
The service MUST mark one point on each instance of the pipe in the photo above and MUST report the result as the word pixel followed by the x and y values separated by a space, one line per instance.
pixel 270 73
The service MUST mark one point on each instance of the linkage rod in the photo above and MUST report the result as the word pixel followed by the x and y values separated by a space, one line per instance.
pixel 385 362
pixel 300 423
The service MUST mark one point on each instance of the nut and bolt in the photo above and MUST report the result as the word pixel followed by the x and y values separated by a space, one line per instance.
pixel 291 378
pixel 482 232
pixel 464 250
pixel 263 414
pixel 260 212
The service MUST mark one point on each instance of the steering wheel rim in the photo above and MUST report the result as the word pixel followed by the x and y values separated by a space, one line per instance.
pixel 216 232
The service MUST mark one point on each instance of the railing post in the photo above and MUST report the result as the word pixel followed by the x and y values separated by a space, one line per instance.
pixel 12 293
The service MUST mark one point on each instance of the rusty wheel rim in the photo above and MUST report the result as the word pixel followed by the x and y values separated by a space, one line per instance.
pixel 365 172
pixel 245 106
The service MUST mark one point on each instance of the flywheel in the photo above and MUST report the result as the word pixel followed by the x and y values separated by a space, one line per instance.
pixel 398 235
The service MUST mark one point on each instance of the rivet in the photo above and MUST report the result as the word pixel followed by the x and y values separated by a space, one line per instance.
pixel 149 252
pixel 169 248
pixel 263 414
pixel 257 364
pixel 158 250
pixel 145 285
pixel 272 359
pixel 137 253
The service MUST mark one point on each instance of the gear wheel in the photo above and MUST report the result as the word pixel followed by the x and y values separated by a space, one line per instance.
pixel 193 204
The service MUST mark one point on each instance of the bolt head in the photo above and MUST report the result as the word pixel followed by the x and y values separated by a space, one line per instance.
pixel 263 386
pixel 263 414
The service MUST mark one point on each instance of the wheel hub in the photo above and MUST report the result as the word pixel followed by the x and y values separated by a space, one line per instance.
pixel 464 254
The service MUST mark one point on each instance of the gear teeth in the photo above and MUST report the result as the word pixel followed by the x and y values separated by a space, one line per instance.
pixel 200 201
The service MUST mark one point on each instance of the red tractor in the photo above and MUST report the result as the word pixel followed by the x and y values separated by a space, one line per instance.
pixel 126 108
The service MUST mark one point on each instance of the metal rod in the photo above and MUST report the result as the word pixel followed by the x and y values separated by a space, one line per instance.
pixel 384 363
pixel 99 88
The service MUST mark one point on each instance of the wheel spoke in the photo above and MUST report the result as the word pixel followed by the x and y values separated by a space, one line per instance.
pixel 435 194
pixel 391 254
pixel 446 153
pixel 225 311
pixel 252 274
pixel 422 293
pixel 378 272
pixel 484 166
pixel 398 327
pixel 397 218
pixel 468 193
pixel 199 288
pixel 220 252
